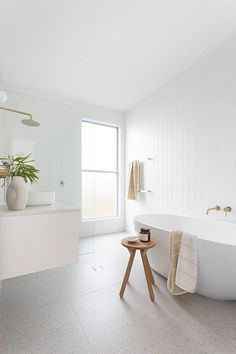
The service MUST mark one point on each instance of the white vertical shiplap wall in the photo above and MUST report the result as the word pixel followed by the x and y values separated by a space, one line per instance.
pixel 189 128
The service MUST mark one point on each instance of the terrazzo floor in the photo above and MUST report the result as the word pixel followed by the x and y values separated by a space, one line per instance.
pixel 77 309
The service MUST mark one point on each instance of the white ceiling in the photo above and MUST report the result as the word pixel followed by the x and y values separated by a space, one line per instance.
pixel 111 53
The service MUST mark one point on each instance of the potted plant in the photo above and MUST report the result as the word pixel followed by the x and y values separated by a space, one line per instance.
pixel 20 171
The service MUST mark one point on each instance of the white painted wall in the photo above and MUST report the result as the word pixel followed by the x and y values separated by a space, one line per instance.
pixel 189 128
pixel 56 146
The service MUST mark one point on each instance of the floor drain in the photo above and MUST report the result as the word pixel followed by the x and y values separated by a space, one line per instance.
pixel 97 268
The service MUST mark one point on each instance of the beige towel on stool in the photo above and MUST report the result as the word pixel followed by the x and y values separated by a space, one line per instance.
pixel 186 273
pixel 133 182
pixel 175 241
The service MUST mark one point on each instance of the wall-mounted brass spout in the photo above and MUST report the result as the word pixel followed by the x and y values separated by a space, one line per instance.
pixel 217 207
pixel 227 210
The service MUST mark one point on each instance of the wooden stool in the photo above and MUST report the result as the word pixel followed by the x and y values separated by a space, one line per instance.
pixel 143 247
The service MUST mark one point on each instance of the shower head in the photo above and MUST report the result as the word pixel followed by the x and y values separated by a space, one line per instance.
pixel 30 122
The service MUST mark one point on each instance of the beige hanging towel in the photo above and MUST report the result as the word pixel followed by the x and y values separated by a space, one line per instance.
pixel 133 180
pixel 182 276
pixel 186 272
pixel 175 242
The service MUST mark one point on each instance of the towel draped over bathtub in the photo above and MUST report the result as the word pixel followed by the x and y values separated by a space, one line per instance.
pixel 133 180
pixel 182 276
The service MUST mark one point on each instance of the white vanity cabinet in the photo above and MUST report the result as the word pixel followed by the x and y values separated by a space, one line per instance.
pixel 38 238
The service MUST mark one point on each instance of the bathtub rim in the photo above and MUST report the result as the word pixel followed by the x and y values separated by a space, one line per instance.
pixel 216 221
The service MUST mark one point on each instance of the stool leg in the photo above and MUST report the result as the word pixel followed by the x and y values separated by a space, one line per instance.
pixel 127 273
pixel 147 273
pixel 150 271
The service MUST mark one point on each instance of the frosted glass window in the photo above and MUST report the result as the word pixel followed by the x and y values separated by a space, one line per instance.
pixel 99 195
pixel 99 171
pixel 99 147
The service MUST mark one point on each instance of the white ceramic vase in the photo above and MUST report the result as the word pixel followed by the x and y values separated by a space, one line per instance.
pixel 17 194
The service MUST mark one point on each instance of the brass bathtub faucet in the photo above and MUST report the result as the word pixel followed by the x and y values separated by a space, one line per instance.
pixel 227 210
pixel 217 207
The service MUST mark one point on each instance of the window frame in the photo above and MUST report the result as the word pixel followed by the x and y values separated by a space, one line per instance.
pixel 116 172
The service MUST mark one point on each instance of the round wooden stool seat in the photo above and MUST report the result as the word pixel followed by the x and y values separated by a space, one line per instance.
pixel 143 247
pixel 138 245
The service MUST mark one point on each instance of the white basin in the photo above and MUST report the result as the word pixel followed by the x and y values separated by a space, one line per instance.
pixel 40 198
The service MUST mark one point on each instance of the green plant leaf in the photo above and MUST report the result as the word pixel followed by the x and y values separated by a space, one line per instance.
pixel 21 166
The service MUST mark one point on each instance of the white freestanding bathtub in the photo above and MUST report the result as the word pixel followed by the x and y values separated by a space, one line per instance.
pixel 216 250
